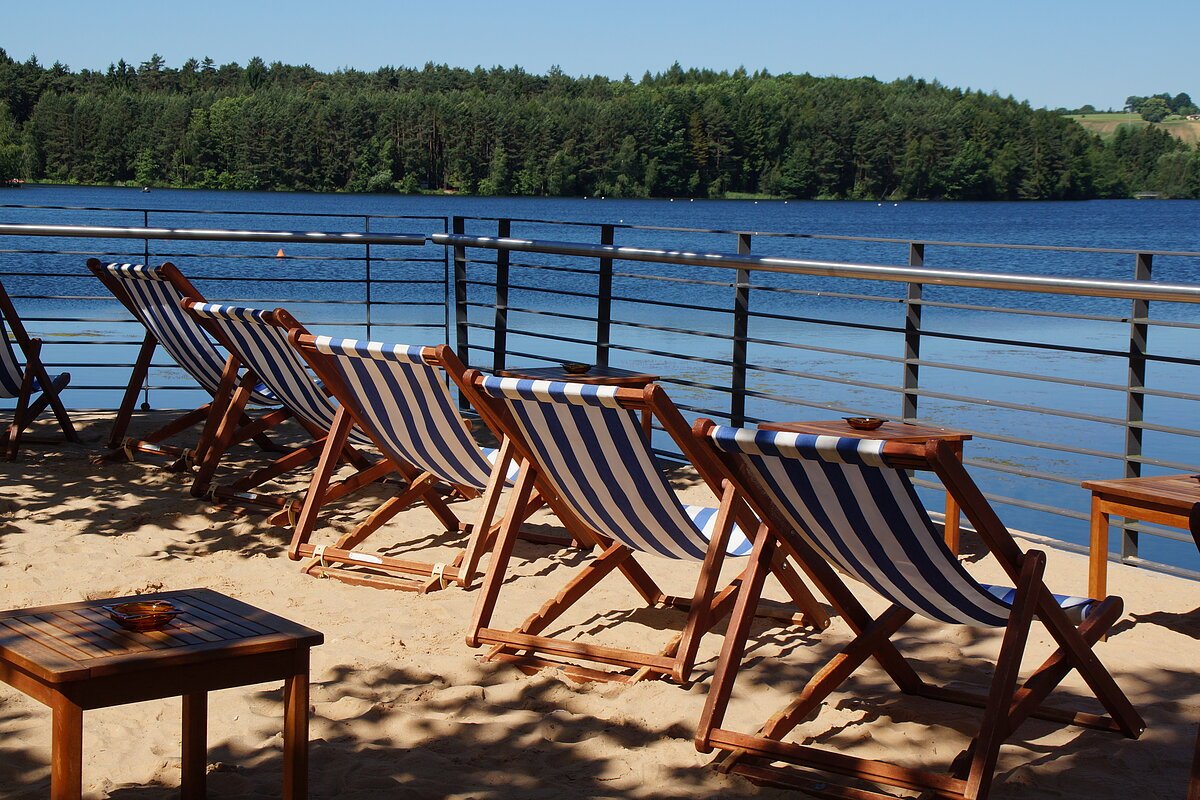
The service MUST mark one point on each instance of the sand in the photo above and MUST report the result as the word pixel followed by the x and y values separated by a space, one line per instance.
pixel 401 707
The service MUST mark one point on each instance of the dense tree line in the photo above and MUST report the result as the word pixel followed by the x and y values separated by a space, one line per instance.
pixel 1158 107
pixel 505 131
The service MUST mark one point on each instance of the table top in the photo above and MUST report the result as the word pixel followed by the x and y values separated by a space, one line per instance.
pixel 888 431
pixel 79 641
pixel 1181 492
pixel 596 376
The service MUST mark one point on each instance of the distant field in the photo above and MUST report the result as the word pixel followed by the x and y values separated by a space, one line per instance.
pixel 1106 125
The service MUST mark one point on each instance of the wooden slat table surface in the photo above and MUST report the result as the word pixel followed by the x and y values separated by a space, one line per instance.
pixel 77 641
pixel 73 657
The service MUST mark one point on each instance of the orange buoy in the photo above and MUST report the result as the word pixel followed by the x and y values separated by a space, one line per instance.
pixel 280 253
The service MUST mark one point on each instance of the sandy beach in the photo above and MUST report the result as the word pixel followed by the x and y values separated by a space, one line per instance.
pixel 401 707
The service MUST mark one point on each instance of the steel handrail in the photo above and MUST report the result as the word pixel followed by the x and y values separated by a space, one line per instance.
pixel 217 235
pixel 1046 284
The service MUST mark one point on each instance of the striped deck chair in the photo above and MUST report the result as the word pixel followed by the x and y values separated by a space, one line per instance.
pixel 397 396
pixel 848 505
pixel 587 445
pixel 152 295
pixel 33 388
pixel 257 342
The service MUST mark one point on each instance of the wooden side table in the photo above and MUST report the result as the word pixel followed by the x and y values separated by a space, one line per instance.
pixel 889 432
pixel 1172 500
pixel 73 658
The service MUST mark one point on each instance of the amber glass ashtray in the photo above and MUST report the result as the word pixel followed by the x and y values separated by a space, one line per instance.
pixel 575 368
pixel 863 423
pixel 143 615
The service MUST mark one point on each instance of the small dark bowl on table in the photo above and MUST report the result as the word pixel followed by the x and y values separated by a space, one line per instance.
pixel 576 368
pixel 864 423
pixel 146 615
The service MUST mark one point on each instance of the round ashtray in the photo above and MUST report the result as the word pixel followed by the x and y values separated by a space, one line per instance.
pixel 576 368
pixel 143 615
pixel 864 423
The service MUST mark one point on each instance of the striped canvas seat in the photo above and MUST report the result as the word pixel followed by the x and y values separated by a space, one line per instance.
pixel 406 407
pixel 865 518
pixel 595 455
pixel 156 303
pixel 264 350
pixel 26 381
pixel 10 369
pixel 586 450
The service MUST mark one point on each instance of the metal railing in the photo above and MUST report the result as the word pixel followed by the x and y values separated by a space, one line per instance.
pixel 762 341
pixel 369 281
pixel 1057 377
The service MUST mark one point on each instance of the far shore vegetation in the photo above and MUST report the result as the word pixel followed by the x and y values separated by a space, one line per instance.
pixel 504 131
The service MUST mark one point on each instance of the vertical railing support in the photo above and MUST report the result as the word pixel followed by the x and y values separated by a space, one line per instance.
pixel 604 300
pixel 367 229
pixel 1135 403
pixel 462 341
pixel 500 329
pixel 146 261
pixel 912 337
pixel 741 330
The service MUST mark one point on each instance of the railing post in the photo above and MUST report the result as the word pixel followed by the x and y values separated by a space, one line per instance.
pixel 146 261
pixel 1136 398
pixel 367 229
pixel 462 341
pixel 500 331
pixel 741 329
pixel 604 300
pixel 912 336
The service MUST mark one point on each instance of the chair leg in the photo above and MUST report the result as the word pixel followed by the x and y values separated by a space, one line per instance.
pixel 986 747
pixel 498 567
pixel 736 634
pixel 225 388
pixel 21 412
pixel 222 439
pixel 314 498
pixel 700 615
pixel 419 488
pixel 481 532
pixel 140 368
pixel 1084 660
pixel 53 397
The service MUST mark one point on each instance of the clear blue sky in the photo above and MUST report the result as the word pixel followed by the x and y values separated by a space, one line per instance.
pixel 1052 53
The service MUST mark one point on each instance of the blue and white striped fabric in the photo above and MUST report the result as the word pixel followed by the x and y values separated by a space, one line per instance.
pixel 264 349
pixel 10 369
pixel 864 517
pixel 156 303
pixel 407 409
pixel 595 455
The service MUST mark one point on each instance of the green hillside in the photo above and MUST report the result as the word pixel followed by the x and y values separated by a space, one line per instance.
pixel 1106 125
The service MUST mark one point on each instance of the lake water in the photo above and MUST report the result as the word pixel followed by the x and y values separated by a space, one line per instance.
pixel 651 332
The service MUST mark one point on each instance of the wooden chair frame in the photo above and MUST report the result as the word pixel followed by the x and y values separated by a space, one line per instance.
pixel 225 427
pixel 121 447
pixel 530 650
pixel 765 758
pixel 28 408
pixel 421 487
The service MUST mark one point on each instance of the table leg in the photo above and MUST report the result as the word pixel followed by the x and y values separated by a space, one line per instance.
pixel 66 760
pixel 195 745
pixel 951 531
pixel 295 731
pixel 1098 556
pixel 1194 783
